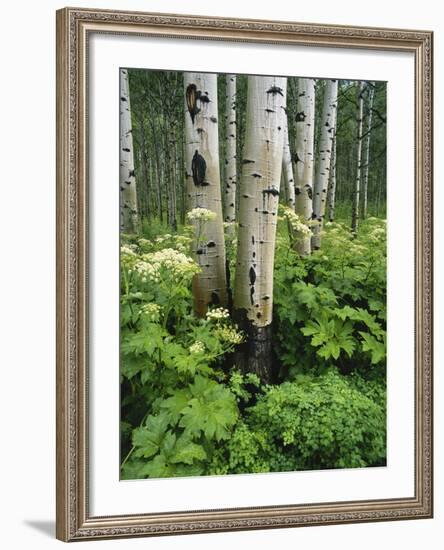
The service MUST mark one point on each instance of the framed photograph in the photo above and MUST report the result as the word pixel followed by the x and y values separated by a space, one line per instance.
pixel 244 274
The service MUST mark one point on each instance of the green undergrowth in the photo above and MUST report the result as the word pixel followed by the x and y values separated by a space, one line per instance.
pixel 186 409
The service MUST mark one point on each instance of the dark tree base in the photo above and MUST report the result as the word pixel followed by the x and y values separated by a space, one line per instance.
pixel 256 354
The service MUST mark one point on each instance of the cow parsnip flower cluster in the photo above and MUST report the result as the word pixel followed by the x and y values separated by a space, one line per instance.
pixel 197 347
pixel 182 243
pixel 230 335
pixel 162 238
pixel 127 250
pixel 377 234
pixel 218 314
pixel 127 256
pixel 201 215
pixel 342 244
pixel 175 265
pixel 296 223
pixel 151 312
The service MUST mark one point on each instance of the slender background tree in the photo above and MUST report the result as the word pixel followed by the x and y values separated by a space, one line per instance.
pixel 304 156
pixel 327 134
pixel 128 193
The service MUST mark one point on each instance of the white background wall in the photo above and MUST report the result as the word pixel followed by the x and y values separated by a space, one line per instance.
pixel 27 261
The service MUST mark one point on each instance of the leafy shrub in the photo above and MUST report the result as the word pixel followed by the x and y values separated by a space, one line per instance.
pixel 331 306
pixel 309 424
pixel 175 405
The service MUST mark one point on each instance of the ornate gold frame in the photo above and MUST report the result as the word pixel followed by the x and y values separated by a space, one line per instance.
pixel 73 519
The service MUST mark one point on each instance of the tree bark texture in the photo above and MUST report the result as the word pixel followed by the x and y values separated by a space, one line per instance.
pixel 331 194
pixel 328 129
pixel 367 151
pixel 287 168
pixel 258 203
pixel 203 188
pixel 230 152
pixel 357 189
pixel 127 177
pixel 304 157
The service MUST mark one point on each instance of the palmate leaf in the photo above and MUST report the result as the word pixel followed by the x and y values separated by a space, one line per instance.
pixel 157 467
pixel 131 365
pixel 176 457
pixel 147 341
pixel 174 405
pixel 133 469
pixel 212 419
pixel 212 410
pixel 149 438
pixel 330 336
pixel 312 328
pixel 126 314
pixel 376 348
pixel 187 452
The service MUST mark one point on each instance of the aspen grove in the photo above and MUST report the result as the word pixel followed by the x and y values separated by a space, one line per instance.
pixel 253 273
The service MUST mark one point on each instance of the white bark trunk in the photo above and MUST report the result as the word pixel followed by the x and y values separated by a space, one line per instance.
pixel 203 187
pixel 127 179
pixel 357 190
pixel 259 197
pixel 367 151
pixel 287 168
pixel 331 195
pixel 258 203
pixel 304 157
pixel 230 152
pixel 328 129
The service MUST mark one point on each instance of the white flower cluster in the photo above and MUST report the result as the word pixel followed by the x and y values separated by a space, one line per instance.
pixel 296 223
pixel 146 271
pixel 197 347
pixel 127 256
pixel 162 238
pixel 230 335
pixel 176 265
pixel 218 314
pixel 378 232
pixel 127 250
pixel 183 243
pixel 151 312
pixel 201 214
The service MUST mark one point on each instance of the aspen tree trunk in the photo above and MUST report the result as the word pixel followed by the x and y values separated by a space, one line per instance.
pixel 127 177
pixel 258 203
pixel 145 170
pixel 331 194
pixel 287 168
pixel 158 171
pixel 357 189
pixel 328 128
pixel 169 172
pixel 304 157
pixel 367 152
pixel 230 152
pixel 203 188
pixel 173 178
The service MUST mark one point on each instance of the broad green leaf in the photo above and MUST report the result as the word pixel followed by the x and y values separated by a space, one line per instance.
pixel 148 439
pixel 175 404
pixel 374 346
pixel 186 451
